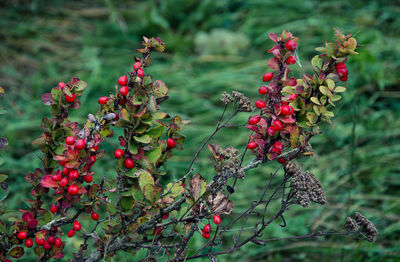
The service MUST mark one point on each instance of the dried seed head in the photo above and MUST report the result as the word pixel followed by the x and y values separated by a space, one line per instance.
pixel 368 228
pixel 351 225
pixel 226 98
pixel 243 102
pixel 306 187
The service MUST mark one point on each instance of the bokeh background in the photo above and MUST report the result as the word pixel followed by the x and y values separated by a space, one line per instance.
pixel 214 46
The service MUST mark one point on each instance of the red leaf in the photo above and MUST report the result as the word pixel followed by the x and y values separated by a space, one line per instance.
pixel 273 37
pixel 17 252
pixel 273 63
pixel 47 181
pixel 47 99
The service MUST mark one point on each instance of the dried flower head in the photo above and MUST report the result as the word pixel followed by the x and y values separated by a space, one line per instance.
pixel 226 98
pixel 351 225
pixel 368 228
pixel 243 102
pixel 306 187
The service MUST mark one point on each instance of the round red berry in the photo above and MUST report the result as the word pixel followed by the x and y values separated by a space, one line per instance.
pixel 271 131
pixel 61 85
pixel 140 73
pixel 70 99
pixel 118 153
pixel 88 178
pixel 70 140
pixel 344 78
pixel 124 90
pixel 291 45
pixel 51 240
pixel 267 77
pixel 71 233
pixel 207 228
pixel 62 162
pixel 278 147
pixel 157 231
pixel 252 145
pixel 73 189
pixel 165 216
pixel 65 171
pixel 340 65
pixel 56 177
pixel 278 125
pixel 28 242
pixel 254 120
pixel 39 241
pixel 95 216
pixel 260 104
pixel 22 235
pixel 290 60
pixel 281 160
pixel 57 242
pixel 93 158
pixel 123 80
pixel 54 208
pixel 263 90
pixel 136 65
pixel 206 235
pixel 73 174
pixel 217 219
pixel 285 110
pixel 64 182
pixel 103 100
pixel 46 245
pixel 129 163
pixel 80 144
pixel 292 97
pixel 76 225
pixel 171 142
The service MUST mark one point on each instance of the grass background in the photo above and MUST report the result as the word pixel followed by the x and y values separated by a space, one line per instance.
pixel 214 46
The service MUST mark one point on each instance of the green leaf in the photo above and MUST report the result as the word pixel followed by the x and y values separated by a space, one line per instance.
pixel 316 109
pixel 331 49
pixel 111 208
pixel 156 132
pixel 311 117
pixel 133 173
pixel 137 194
pixel 3 177
pixel 330 83
pixel 159 88
pixel 323 100
pixel 336 98
pixel 145 178
pixel 315 100
pixel 316 61
pixel 340 89
pixel 80 85
pixel 124 114
pixel 325 91
pixel 174 190
pixel 153 155
pixel 145 139
pixel 160 115
pixel 328 114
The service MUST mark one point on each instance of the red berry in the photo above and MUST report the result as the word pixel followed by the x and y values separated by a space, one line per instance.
pixel 28 242
pixel 291 45
pixel 254 120
pixel 260 104
pixel 95 216
pixel 165 216
pixel 64 182
pixel 207 228
pixel 73 190
pixel 252 145
pixel 22 235
pixel 70 99
pixel 263 90
pixel 54 208
pixel 61 85
pixel 271 131
pixel 140 73
pixel 118 153
pixel 76 225
pixel 103 100
pixel 62 162
pixel 292 97
pixel 123 80
pixel 88 178
pixel 73 174
pixel 71 233
pixel 206 235
pixel 157 231
pixel 217 219
pixel 267 77
pixel 136 65
pixel 171 142
pixel 51 240
pixel 58 242
pixel 278 125
pixel 344 78
pixel 281 160
pixel 341 71
pixel 65 171
pixel 70 140
pixel 290 60
pixel 56 177
pixel 278 147
pixel 291 110
pixel 39 241
pixel 340 65
pixel 93 158
pixel 129 163
pixel 124 90
pixel 80 144
pixel 285 110
pixel 95 148
pixel 46 245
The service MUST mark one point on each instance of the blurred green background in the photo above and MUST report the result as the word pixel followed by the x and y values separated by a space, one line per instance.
pixel 214 46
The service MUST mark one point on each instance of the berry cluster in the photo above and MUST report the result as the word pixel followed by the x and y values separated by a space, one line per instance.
pixel 205 232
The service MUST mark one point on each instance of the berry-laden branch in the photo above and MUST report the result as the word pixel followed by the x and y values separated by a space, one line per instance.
pixel 133 210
